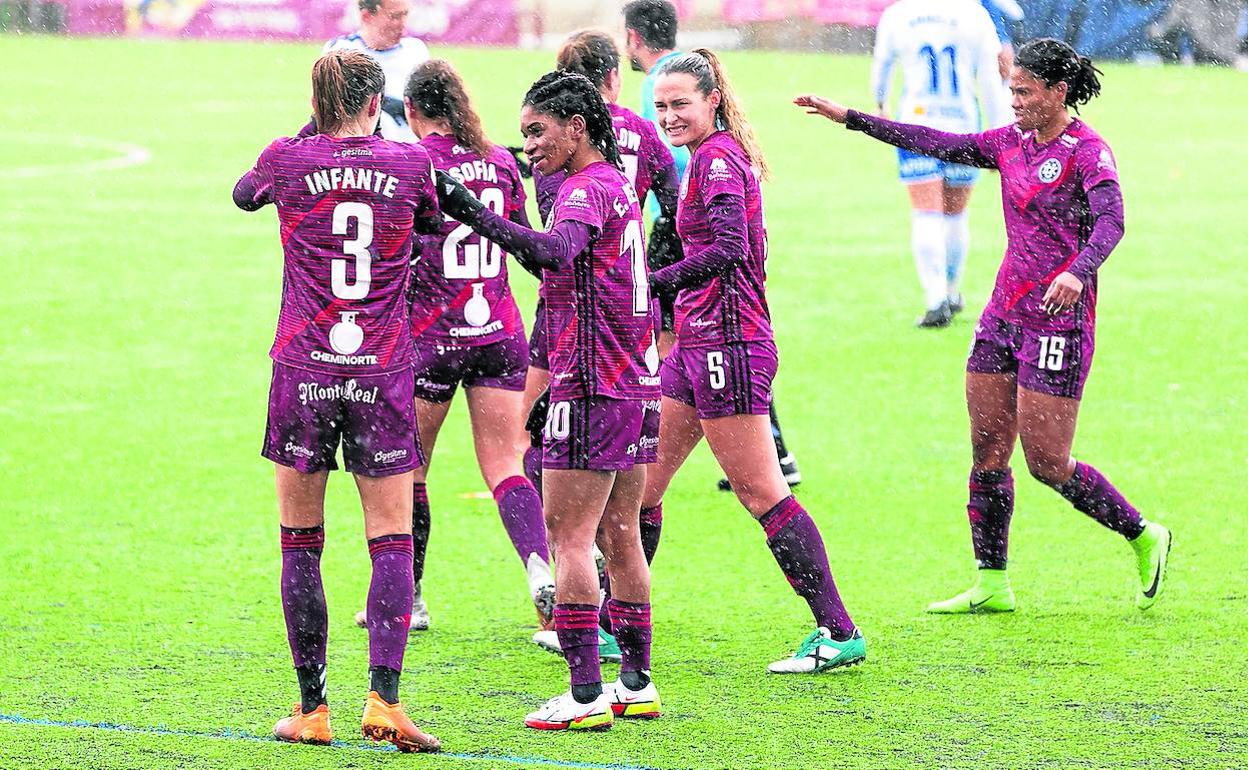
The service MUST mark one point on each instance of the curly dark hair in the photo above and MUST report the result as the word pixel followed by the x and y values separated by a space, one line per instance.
pixel 1054 61
pixel 564 94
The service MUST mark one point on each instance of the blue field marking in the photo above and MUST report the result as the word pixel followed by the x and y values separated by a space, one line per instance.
pixel 230 734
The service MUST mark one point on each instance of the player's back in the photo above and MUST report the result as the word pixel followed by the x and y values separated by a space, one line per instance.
pixel 941 46
pixel 347 208
pixel 598 309
pixel 461 294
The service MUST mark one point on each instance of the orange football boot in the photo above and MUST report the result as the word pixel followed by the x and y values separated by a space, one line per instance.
pixel 299 727
pixel 388 722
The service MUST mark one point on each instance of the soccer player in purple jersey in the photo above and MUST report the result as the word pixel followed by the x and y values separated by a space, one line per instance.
pixel 1033 344
pixel 347 204
pixel 717 380
pixel 604 367
pixel 649 167
pixel 466 326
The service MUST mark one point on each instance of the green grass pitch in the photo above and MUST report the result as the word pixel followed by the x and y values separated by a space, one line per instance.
pixel 139 560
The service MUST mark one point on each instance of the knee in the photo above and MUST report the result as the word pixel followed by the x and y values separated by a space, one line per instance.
pixel 1048 469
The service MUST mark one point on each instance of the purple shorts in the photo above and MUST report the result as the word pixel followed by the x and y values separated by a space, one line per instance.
pixel 438 369
pixel 373 416
pixel 734 378
pixel 539 354
pixel 1052 362
pixel 648 444
pixel 593 434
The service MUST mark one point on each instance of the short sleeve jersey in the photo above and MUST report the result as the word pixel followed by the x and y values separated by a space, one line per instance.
pixel 397 63
pixel 460 294
pixel 346 209
pixel 732 306
pixel 598 307
pixel 1044 193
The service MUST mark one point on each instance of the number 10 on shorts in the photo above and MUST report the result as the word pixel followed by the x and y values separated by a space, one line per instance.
pixel 558 421
pixel 1052 353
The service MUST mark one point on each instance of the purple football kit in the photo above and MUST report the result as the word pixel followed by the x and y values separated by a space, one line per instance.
pixel 347 208
pixel 725 358
pixel 648 165
pixel 465 324
pixel 603 357
pixel 1053 195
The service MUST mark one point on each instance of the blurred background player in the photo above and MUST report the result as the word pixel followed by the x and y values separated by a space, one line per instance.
pixel 1006 17
pixel 466 327
pixel 1034 341
pixel 342 372
pixel 717 380
pixel 947 51
pixel 382 23
pixel 604 367
pixel 648 166
pixel 650 42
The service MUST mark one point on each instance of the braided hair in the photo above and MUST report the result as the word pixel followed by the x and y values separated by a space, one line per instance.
pixel 564 94
pixel 1054 61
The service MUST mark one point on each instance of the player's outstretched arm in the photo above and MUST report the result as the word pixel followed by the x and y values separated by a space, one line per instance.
pixel 956 148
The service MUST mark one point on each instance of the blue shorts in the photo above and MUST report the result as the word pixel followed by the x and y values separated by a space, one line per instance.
pixel 914 168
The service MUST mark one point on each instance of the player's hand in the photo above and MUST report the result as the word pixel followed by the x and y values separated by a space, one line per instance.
pixel 1062 295
pixel 664 247
pixel 457 200
pixel 817 105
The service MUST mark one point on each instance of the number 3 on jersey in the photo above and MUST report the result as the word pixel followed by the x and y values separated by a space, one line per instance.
pixel 462 259
pixel 356 247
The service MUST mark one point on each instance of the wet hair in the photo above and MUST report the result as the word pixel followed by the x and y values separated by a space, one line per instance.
pixel 564 94
pixel 1054 61
pixel 704 66
pixel 591 53
pixel 342 83
pixel 654 21
pixel 437 92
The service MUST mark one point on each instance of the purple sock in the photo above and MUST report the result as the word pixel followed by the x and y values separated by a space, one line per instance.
pixel 989 510
pixel 389 600
pixel 798 547
pixel 303 596
pixel 421 523
pixel 651 528
pixel 1092 494
pixel 577 628
pixel 631 622
pixel 533 467
pixel 520 508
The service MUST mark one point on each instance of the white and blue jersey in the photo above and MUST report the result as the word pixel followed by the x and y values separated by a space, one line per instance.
pixel 947 52
pixel 398 63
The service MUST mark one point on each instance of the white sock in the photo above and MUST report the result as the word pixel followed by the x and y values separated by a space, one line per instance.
pixel 927 241
pixel 957 241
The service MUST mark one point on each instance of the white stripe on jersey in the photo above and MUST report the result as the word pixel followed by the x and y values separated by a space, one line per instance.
pixel 947 50
pixel 397 62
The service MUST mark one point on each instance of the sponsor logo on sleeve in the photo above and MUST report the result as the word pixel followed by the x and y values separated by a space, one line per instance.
pixel 718 172
pixel 1049 170
pixel 578 198
pixel 1106 160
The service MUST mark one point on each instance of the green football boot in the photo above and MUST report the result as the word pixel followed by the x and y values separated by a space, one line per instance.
pixel 1152 549
pixel 991 593
pixel 820 652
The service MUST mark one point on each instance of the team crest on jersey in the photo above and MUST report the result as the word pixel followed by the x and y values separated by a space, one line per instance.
pixel 1049 170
